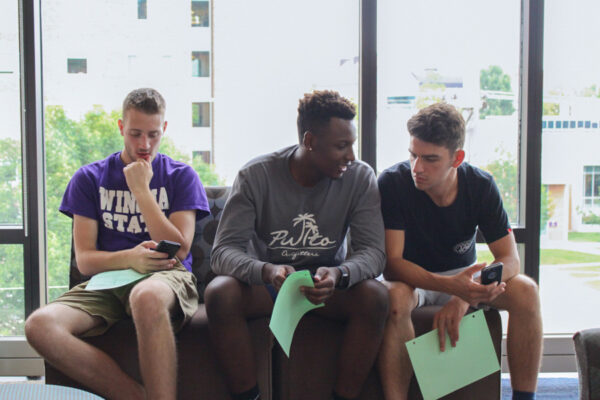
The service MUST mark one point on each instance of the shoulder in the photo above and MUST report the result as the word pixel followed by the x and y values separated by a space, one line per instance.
pixel 475 177
pixel 266 164
pixel 93 171
pixel 398 175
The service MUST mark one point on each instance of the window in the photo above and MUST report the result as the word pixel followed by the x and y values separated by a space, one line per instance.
pixel 427 59
pixel 200 64
pixel 199 13
pixel 142 9
pixel 200 114
pixel 204 156
pixel 570 207
pixel 591 187
pixel 12 279
pixel 77 66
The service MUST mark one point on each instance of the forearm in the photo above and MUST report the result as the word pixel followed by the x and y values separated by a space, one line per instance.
pixel 91 262
pixel 234 262
pixel 365 264
pixel 511 266
pixel 158 225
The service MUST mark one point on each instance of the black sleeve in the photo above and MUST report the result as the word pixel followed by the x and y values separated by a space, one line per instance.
pixel 493 220
pixel 391 204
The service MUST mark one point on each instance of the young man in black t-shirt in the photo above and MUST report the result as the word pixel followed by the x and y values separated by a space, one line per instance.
pixel 432 206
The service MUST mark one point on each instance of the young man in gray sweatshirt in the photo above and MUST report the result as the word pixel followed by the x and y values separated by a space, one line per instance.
pixel 291 210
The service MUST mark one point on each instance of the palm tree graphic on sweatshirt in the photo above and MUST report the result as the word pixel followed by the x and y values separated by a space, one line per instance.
pixel 309 237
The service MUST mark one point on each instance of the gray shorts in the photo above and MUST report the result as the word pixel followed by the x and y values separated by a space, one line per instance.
pixel 433 298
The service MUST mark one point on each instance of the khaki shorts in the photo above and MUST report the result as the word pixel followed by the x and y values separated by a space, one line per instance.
pixel 112 305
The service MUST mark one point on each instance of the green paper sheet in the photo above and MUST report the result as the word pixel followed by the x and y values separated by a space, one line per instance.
pixel 473 358
pixel 289 307
pixel 114 279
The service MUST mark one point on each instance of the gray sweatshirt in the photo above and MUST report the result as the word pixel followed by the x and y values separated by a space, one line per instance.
pixel 269 217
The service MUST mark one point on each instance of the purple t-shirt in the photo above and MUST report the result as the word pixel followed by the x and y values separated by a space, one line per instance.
pixel 99 191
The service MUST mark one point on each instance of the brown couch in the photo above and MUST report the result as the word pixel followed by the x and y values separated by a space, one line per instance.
pixel 309 373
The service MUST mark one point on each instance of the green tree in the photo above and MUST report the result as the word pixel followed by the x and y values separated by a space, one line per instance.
pixel 70 144
pixel 494 79
pixel 431 91
pixel 551 109
pixel 505 172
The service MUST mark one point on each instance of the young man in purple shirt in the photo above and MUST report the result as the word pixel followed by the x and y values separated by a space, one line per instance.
pixel 122 207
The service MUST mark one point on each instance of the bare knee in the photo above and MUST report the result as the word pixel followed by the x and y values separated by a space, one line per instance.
pixel 373 301
pixel 403 300
pixel 523 295
pixel 150 300
pixel 40 326
pixel 223 298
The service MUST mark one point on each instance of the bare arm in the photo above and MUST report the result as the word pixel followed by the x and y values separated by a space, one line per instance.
pixel 461 285
pixel 505 250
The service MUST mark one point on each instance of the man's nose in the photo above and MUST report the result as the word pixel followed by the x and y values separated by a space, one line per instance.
pixel 350 155
pixel 144 142
pixel 417 165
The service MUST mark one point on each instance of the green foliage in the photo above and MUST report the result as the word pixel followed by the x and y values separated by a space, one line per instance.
pixel 590 218
pixel 11 210
pixel 431 91
pixel 551 109
pixel 495 79
pixel 69 144
pixel 505 171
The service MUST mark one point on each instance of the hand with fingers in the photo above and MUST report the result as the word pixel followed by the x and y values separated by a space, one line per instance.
pixel 138 175
pixel 143 259
pixel 471 291
pixel 448 320
pixel 276 274
pixel 325 279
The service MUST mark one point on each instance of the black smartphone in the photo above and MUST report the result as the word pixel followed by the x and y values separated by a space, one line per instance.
pixel 492 273
pixel 166 246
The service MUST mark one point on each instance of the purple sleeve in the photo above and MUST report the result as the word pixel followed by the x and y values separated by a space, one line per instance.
pixel 80 196
pixel 190 194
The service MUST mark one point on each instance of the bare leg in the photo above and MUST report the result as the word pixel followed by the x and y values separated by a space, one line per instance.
pixel 395 368
pixel 52 331
pixel 229 303
pixel 364 307
pixel 524 340
pixel 150 302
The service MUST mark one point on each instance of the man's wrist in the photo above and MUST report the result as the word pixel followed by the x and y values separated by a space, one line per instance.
pixel 343 277
pixel 266 272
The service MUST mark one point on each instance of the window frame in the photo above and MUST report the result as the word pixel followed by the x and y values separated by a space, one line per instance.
pixel 32 234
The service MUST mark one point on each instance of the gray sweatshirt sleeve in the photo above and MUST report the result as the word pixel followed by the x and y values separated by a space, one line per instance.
pixel 229 254
pixel 367 236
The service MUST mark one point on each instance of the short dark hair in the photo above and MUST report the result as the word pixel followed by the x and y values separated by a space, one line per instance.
pixel 440 124
pixel 146 100
pixel 316 108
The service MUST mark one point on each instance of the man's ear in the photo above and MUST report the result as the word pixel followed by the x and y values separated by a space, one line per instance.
pixel 308 139
pixel 120 122
pixel 459 157
pixel 164 127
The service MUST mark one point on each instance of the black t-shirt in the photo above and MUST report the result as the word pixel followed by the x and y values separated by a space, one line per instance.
pixel 442 238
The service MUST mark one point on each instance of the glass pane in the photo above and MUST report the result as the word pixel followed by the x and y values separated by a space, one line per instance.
pixel 248 101
pixel 265 60
pixel 11 202
pixel 12 301
pixel 570 250
pixel 587 185
pixel 199 13
pixel 431 51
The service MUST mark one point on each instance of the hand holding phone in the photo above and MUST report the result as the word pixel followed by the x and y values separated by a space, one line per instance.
pixel 492 273
pixel 169 247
